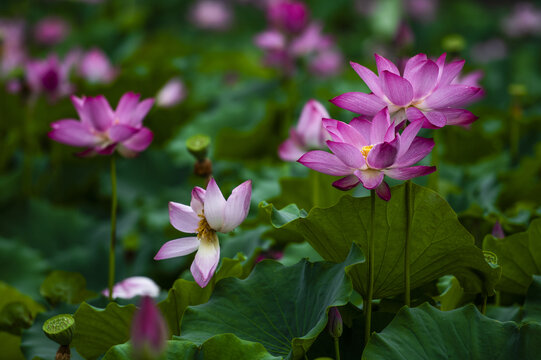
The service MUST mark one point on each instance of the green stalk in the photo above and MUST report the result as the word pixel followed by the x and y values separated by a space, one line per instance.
pixel 368 302
pixel 337 348
pixel 113 229
pixel 409 215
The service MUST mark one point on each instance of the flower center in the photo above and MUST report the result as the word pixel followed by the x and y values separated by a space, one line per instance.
pixel 204 231
pixel 366 149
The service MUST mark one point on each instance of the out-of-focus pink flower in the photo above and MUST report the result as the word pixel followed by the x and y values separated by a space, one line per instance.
pixel 14 86
pixel 171 94
pixel 488 51
pixel 96 67
pixel 309 133
pixel 423 92
pixel 310 41
pixel 327 63
pixel 271 40
pixel 149 333
pixel 497 231
pixel 422 10
pixel 366 7
pixel 51 30
pixel 288 15
pixel 51 76
pixel 269 254
pixel 404 35
pixel 211 15
pixel 102 130
pixel 364 152
pixel 134 286
pixel 12 49
pixel 207 214
pixel 525 20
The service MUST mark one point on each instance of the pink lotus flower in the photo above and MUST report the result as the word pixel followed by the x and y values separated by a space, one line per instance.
pixel 424 92
pixel 309 133
pixel 207 214
pixel 51 30
pixel 95 67
pixel 171 94
pixel 364 152
pixel 525 20
pixel 51 76
pixel 103 130
pixel 288 15
pixel 211 15
pixel 149 333
pixel 134 286
pixel 327 63
pixel 12 50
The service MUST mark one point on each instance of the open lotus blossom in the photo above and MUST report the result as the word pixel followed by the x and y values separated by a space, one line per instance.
pixel 134 286
pixel 207 214
pixel 149 333
pixel 96 67
pixel 309 133
pixel 51 75
pixel 423 92
pixel 102 130
pixel 364 152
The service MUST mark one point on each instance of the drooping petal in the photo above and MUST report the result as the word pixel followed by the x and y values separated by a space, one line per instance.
pixel 406 173
pixel 289 150
pixel 140 141
pixel 397 89
pixel 178 247
pixel 383 191
pixel 424 79
pixel 346 183
pixel 459 117
pixel 347 153
pixel 325 162
pixel 370 79
pixel 121 132
pixel 380 124
pixel 384 64
pixel 451 96
pixel 198 200
pixel 214 205
pixel 73 133
pixel 205 261
pixel 418 150
pixel 360 103
pixel 99 112
pixel 450 72
pixel 183 218
pixel 237 206
pixel 126 106
pixel 370 178
pixel 382 155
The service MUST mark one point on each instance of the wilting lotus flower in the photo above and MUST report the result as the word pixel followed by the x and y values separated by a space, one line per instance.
pixel 134 286
pixel 207 214
pixel 149 331
pixel 309 133
pixel 525 20
pixel 51 76
pixel 211 15
pixel 103 130
pixel 424 92
pixel 365 151
pixel 96 67
pixel 171 94
pixel 288 15
pixel 51 30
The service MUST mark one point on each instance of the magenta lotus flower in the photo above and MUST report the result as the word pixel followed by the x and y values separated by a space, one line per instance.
pixel 134 286
pixel 171 94
pixel 309 133
pixel 96 67
pixel 364 152
pixel 51 76
pixel 288 15
pixel 51 30
pixel 207 214
pixel 149 333
pixel 423 92
pixel 102 130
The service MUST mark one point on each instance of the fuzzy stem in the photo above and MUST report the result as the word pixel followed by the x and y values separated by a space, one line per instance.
pixel 409 215
pixel 368 302
pixel 113 229
pixel 337 348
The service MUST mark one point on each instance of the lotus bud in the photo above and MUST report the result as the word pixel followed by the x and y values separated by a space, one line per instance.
pixel 497 231
pixel 149 332
pixel 335 324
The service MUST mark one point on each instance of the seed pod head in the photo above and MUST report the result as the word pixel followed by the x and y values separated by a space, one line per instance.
pixel 198 146
pixel 60 328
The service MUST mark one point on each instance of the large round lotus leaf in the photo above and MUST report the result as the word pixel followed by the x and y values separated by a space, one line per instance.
pixel 519 255
pixel 282 308
pixel 425 333
pixel 440 245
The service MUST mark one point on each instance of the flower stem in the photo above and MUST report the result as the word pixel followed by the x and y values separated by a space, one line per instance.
pixel 368 302
pixel 113 229
pixel 409 215
pixel 337 348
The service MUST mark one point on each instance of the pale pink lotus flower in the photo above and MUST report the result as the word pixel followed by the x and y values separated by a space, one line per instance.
pixel 326 63
pixel 288 15
pixel 103 130
pixel 488 51
pixel 211 15
pixel 524 20
pixel 171 93
pixel 310 41
pixel 51 75
pixel 149 332
pixel 422 10
pixel 51 30
pixel 96 67
pixel 12 49
pixel 424 91
pixel 309 134
pixel 207 214
pixel 134 286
